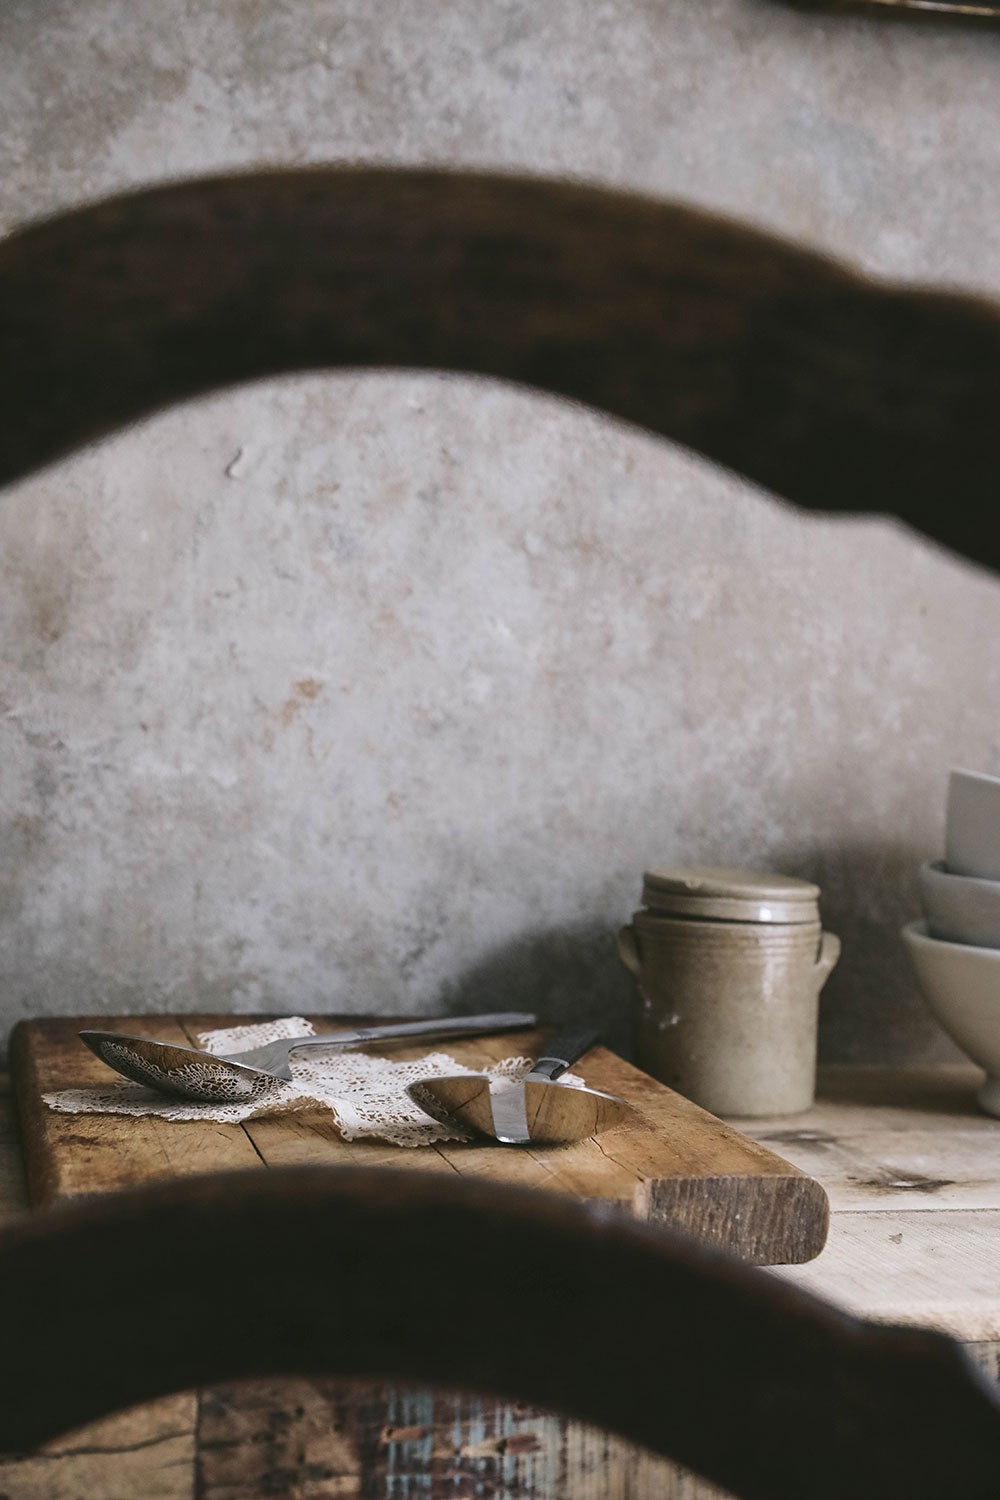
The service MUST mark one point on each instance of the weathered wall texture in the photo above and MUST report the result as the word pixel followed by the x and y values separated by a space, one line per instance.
pixel 380 692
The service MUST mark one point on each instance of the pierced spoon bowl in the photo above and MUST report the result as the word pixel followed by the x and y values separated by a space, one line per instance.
pixel 241 1077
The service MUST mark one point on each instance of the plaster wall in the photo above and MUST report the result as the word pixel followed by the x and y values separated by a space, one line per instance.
pixel 380 692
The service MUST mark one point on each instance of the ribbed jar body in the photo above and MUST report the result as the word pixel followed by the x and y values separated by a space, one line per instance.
pixel 728 1011
pixel 728 986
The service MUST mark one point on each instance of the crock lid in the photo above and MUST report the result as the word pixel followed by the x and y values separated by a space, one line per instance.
pixel 730 895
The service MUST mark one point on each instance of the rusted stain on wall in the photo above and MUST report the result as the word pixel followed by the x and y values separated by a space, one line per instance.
pixel 306 691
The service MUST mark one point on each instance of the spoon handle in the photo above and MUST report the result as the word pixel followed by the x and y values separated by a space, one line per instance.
pixel 562 1051
pixel 437 1026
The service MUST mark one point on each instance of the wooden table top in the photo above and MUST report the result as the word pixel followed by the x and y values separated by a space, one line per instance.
pixel 912 1169
pixel 666 1160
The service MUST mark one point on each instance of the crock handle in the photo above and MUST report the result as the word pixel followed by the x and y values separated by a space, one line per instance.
pixel 829 952
pixel 628 950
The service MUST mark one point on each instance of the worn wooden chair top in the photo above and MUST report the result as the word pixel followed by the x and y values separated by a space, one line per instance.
pixel 830 390
pixel 354 1271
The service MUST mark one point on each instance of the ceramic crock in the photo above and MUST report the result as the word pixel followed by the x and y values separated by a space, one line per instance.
pixel 729 965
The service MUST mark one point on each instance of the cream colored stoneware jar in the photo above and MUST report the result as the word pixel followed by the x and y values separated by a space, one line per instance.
pixel 729 965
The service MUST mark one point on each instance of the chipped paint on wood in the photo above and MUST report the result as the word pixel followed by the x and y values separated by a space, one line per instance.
pixel 401 1443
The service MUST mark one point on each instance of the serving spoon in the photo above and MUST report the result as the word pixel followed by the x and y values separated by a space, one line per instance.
pixel 236 1077
pixel 527 1111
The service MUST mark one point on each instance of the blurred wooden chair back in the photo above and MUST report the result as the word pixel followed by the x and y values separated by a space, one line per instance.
pixel 828 389
pixel 442 1281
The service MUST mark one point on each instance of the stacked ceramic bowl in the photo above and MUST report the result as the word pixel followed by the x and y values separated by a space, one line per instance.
pixel 956 948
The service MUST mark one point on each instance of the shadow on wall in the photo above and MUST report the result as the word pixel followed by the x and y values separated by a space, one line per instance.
pixel 567 975
pixel 870 1009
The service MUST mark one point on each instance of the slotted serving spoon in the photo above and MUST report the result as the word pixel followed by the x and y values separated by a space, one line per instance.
pixel 237 1077
pixel 532 1110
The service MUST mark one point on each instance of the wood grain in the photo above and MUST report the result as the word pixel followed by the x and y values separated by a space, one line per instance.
pixel 911 1166
pixel 933 1269
pixel 71 1155
pixel 825 387
pixel 367 1440
pixel 145 1454
pixel 882 1138
pixel 669 1162
pixel 269 1438
pixel 649 1334
pixel 309 1439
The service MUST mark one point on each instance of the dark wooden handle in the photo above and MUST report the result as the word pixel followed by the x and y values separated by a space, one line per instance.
pixel 759 1387
pixel 562 1050
pixel 830 390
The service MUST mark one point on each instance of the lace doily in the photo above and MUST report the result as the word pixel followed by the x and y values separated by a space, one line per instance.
pixel 366 1095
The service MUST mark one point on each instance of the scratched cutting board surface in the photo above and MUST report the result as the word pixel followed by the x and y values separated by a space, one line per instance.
pixel 668 1162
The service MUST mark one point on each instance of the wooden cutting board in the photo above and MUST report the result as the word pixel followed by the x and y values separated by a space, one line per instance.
pixel 669 1162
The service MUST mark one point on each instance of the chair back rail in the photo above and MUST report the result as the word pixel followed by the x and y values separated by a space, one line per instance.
pixel 379 1272
pixel 830 390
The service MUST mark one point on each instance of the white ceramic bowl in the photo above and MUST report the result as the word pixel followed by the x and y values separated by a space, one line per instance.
pixel 972 833
pixel 960 908
pixel 961 984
